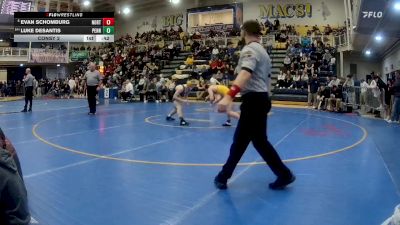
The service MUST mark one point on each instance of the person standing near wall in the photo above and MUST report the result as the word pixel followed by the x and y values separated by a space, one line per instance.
pixel 396 106
pixel 93 84
pixel 313 86
pixel 253 82
pixel 28 85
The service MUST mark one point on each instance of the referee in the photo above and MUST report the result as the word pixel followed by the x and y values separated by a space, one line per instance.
pixel 252 81
pixel 28 84
pixel 93 84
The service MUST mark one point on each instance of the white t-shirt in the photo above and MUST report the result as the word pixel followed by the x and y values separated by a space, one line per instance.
pixel 364 87
pixel 375 89
pixel 281 76
pixel 334 83
pixel 215 51
pixel 214 81
pixel 129 87
pixel 71 84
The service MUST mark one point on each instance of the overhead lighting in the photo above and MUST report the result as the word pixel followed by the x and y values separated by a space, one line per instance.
pixel 126 10
pixel 58 65
pixel 86 3
pixel 21 65
pixel 174 1
pixel 368 52
pixel 378 37
pixel 1 40
pixel 397 6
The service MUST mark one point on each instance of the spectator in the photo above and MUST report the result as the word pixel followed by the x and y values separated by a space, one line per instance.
pixel 72 84
pixel 323 96
pixel 287 62
pixel 162 90
pixel 396 107
pixel 334 82
pixel 313 86
pixel 151 91
pixel 296 80
pixel 13 195
pixel 348 87
pixel 363 95
pixel 281 80
pixel 376 90
pixel 190 61
pixel 214 81
pixel 335 100
pixel 215 52
pixel 127 91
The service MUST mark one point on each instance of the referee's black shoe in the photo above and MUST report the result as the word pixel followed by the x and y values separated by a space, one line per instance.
pixel 281 182
pixel 184 123
pixel 220 183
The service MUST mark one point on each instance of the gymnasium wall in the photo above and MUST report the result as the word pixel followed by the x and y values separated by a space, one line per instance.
pixel 364 64
pixel 391 62
pixel 316 12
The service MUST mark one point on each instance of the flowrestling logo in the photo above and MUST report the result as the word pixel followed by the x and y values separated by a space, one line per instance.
pixel 372 14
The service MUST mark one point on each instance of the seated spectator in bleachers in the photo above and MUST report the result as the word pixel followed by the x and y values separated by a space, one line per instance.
pixel 313 86
pixel 189 61
pixel 287 62
pixel 171 88
pixel 277 24
pixel 281 80
pixel 215 52
pixel 296 80
pixel 214 80
pixel 327 57
pixel 162 90
pixel 201 89
pixel 66 90
pixel 327 30
pixel 334 82
pixel 127 90
pixel 288 79
pixel 323 97
pixel 335 100
pixel 151 91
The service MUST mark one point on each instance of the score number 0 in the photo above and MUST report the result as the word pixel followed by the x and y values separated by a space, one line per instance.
pixel 108 21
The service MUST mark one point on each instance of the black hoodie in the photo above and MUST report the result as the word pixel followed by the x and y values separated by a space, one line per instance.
pixel 13 195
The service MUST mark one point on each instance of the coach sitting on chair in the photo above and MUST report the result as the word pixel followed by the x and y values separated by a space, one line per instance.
pixel 335 101
pixel 152 90
pixel 127 92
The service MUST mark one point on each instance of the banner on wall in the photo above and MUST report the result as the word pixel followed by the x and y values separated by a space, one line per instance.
pixel 218 28
pixel 78 56
pixel 172 20
pixel 371 13
pixel 48 56
pixel 287 10
pixel 8 7
pixel 217 18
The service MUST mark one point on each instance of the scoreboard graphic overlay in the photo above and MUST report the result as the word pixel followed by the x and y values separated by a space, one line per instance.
pixel 64 27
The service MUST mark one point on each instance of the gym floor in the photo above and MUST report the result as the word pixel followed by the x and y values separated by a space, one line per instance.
pixel 127 165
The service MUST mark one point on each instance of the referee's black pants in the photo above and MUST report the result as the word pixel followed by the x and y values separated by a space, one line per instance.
pixel 28 97
pixel 91 96
pixel 252 127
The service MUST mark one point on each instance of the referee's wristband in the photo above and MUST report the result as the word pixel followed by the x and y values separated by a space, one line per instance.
pixel 233 91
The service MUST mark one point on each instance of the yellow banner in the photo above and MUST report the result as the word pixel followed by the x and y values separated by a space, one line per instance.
pixel 286 10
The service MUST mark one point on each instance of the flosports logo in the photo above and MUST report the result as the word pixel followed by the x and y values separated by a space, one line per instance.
pixel 372 14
